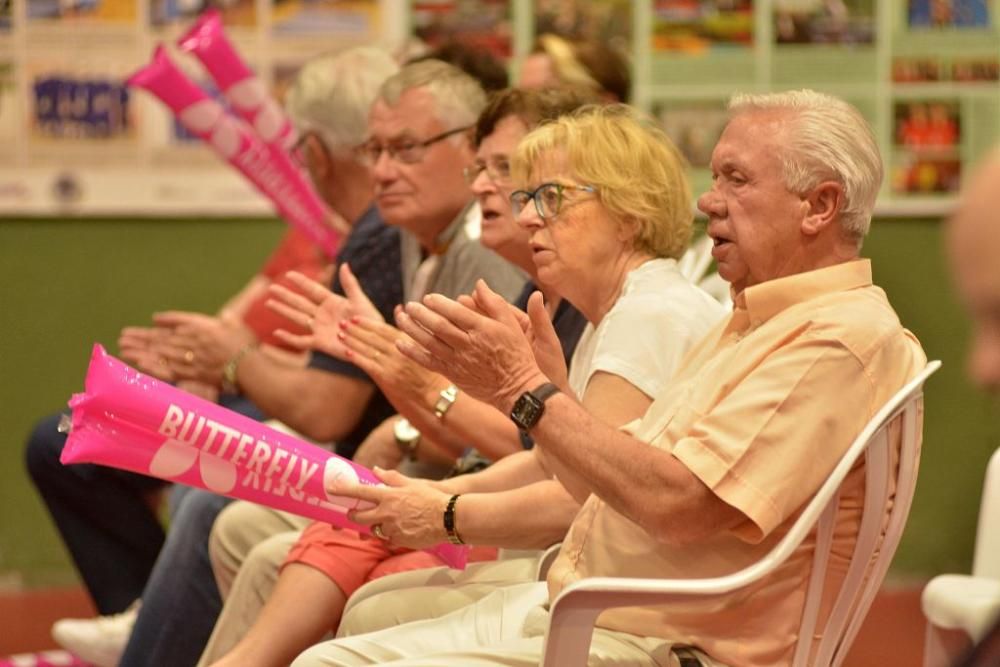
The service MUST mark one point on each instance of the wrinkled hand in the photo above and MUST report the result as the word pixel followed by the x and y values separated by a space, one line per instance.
pixel 379 449
pixel 143 347
pixel 409 510
pixel 198 346
pixel 371 346
pixel 483 350
pixel 319 310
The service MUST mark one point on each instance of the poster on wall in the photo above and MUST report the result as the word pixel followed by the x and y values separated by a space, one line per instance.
pixel 696 26
pixel 482 24
pixel 945 14
pixel 73 106
pixel 355 20
pixel 92 12
pixel 823 22
pixel 235 13
pixel 605 21
pixel 960 69
pixel 927 136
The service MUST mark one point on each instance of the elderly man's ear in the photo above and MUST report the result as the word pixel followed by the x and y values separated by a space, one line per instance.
pixel 824 204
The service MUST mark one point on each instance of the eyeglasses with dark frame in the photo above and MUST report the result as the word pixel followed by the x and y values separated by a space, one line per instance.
pixel 405 151
pixel 548 198
pixel 497 170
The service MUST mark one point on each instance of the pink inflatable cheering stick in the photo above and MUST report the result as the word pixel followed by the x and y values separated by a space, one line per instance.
pixel 243 90
pixel 236 143
pixel 128 420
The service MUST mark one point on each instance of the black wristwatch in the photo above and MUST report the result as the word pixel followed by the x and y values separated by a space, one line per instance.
pixel 530 407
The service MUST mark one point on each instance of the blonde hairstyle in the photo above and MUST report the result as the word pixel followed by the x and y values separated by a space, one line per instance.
pixel 826 139
pixel 638 173
pixel 333 94
pixel 458 98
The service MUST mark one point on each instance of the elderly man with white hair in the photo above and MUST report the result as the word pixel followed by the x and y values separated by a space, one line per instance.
pixel 716 471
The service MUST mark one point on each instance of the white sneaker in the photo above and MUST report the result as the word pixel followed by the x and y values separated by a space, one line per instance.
pixel 99 640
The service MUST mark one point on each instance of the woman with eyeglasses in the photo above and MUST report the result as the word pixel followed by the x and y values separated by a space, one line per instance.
pixel 604 198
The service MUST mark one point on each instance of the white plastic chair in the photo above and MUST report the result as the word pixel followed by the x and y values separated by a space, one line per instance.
pixel 576 608
pixel 968 602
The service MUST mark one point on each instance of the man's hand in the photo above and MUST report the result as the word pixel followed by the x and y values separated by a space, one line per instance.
pixel 487 354
pixel 408 510
pixel 379 449
pixel 198 346
pixel 319 311
pixel 371 346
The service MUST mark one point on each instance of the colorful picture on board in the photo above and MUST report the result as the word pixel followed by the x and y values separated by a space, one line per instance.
pixel 352 19
pixel 927 135
pixel 948 14
pixel 604 20
pixel 79 106
pixel 242 13
pixel 824 21
pixel 695 26
pixel 91 11
pixel 481 24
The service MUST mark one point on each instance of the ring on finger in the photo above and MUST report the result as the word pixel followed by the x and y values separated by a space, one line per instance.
pixel 189 356
pixel 377 532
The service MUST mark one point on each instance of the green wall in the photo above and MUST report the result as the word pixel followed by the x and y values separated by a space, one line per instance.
pixel 67 283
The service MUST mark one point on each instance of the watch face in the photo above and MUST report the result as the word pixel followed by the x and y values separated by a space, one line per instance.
pixel 526 411
pixel 405 432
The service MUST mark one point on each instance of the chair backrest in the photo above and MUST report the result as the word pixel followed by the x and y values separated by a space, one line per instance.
pixel 886 506
pixel 575 609
pixel 986 562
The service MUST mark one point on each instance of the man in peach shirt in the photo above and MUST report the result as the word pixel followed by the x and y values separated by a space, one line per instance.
pixel 716 471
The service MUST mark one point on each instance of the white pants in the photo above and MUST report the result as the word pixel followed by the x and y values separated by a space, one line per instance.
pixel 506 627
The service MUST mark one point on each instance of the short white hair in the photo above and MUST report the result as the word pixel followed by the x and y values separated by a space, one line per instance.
pixel 458 97
pixel 333 94
pixel 827 139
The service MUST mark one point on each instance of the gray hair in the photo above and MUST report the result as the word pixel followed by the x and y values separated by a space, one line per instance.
pixel 827 139
pixel 458 98
pixel 333 94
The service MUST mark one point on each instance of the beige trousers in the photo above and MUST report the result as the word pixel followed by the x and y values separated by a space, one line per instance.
pixel 506 627
pixel 248 544
pixel 428 593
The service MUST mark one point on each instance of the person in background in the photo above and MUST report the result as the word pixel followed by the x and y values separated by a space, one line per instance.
pixel 591 65
pixel 329 105
pixel 410 146
pixel 973 248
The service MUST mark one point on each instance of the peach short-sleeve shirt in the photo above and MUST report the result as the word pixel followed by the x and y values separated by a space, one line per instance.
pixel 761 410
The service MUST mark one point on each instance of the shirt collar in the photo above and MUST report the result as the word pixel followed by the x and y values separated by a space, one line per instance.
pixel 764 301
pixel 467 215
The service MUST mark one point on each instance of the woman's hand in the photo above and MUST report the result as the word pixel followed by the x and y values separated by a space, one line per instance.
pixel 409 512
pixel 143 347
pixel 379 449
pixel 319 311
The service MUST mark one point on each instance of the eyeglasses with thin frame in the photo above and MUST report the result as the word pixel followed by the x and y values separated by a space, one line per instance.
pixel 497 170
pixel 548 198
pixel 405 151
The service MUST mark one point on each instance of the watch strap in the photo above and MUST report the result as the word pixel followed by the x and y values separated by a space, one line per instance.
pixel 229 383
pixel 449 521
pixel 445 400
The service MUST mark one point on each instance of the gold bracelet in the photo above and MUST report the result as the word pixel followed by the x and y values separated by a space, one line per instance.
pixel 229 384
